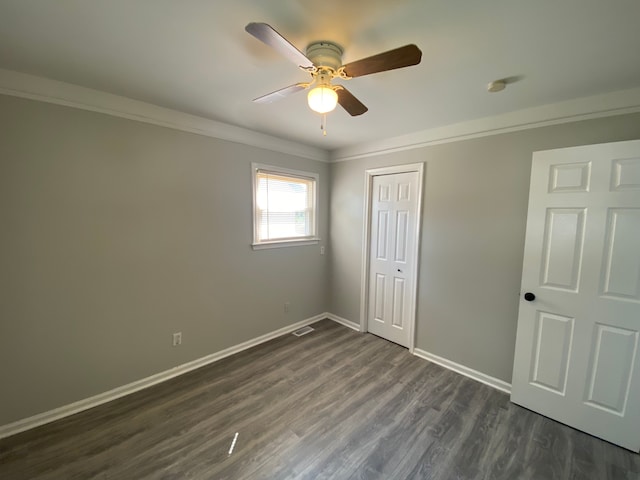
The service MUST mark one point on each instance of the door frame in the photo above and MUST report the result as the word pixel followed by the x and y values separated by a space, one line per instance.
pixel 366 245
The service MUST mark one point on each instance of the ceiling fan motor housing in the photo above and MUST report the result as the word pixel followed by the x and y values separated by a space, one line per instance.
pixel 325 54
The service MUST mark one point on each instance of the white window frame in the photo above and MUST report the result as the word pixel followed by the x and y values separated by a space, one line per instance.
pixel 285 242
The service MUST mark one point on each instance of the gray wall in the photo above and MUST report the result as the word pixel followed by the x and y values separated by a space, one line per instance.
pixel 473 225
pixel 115 234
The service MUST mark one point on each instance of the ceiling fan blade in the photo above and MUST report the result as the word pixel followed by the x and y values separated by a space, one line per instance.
pixel 282 93
pixel 397 58
pixel 351 104
pixel 266 34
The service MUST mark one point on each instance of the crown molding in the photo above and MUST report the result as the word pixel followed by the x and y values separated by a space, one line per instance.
pixel 585 108
pixel 24 85
pixel 60 93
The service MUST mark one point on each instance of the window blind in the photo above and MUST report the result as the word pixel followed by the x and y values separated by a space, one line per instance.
pixel 285 206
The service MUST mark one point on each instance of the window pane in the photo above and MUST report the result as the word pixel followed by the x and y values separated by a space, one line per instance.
pixel 284 206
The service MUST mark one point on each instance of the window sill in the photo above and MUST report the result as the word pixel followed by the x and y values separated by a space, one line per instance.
pixel 285 243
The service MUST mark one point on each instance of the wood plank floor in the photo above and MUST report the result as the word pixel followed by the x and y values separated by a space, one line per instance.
pixel 333 404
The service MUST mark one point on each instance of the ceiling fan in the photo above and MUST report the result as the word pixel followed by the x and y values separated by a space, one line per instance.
pixel 323 61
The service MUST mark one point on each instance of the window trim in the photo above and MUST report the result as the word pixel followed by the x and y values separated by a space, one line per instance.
pixel 285 242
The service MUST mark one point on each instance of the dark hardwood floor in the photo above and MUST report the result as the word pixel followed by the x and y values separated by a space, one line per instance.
pixel 333 404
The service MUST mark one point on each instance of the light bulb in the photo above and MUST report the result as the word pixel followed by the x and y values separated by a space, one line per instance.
pixel 322 99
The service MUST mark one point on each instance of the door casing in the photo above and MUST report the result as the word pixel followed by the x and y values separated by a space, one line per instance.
pixel 366 244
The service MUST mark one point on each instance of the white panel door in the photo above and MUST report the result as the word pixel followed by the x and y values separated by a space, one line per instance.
pixel 394 206
pixel 577 358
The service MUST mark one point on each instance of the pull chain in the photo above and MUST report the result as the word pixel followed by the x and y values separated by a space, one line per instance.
pixel 323 124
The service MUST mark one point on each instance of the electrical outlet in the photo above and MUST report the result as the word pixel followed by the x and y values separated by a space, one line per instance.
pixel 177 339
pixel 287 306
pixel 322 250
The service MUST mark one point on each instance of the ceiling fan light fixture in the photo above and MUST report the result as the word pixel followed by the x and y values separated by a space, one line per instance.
pixel 322 99
pixel 323 61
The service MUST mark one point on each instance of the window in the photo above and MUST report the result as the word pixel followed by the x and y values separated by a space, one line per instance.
pixel 284 203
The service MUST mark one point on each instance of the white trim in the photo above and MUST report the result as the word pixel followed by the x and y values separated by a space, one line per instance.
pixel 466 371
pixel 366 231
pixel 85 404
pixel 118 392
pixel 284 242
pixel 60 93
pixel 585 108
pixel 443 362
pixel 343 321
pixel 366 249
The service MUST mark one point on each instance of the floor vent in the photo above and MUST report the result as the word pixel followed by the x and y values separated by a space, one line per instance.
pixel 303 331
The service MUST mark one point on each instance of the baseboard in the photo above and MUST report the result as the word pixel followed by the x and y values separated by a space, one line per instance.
pixel 94 401
pixel 343 321
pixel 466 371
pixel 443 362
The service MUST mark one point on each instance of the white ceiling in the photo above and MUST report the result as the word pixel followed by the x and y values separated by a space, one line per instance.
pixel 194 56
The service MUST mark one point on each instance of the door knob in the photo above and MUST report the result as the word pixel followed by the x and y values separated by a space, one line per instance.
pixel 529 297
